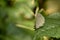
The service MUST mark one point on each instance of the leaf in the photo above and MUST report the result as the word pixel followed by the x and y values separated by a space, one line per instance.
pixel 51 27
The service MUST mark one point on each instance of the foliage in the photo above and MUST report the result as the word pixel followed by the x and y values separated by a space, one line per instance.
pixel 50 28
pixel 17 21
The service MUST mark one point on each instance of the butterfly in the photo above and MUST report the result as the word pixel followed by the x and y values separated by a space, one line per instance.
pixel 39 19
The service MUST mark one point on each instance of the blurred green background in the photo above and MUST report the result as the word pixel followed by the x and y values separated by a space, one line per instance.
pixel 17 19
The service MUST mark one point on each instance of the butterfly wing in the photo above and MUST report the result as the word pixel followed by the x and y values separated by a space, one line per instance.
pixel 40 20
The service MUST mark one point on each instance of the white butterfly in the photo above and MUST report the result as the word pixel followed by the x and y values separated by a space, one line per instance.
pixel 40 20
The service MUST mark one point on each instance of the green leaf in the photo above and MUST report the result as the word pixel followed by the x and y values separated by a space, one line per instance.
pixel 51 27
